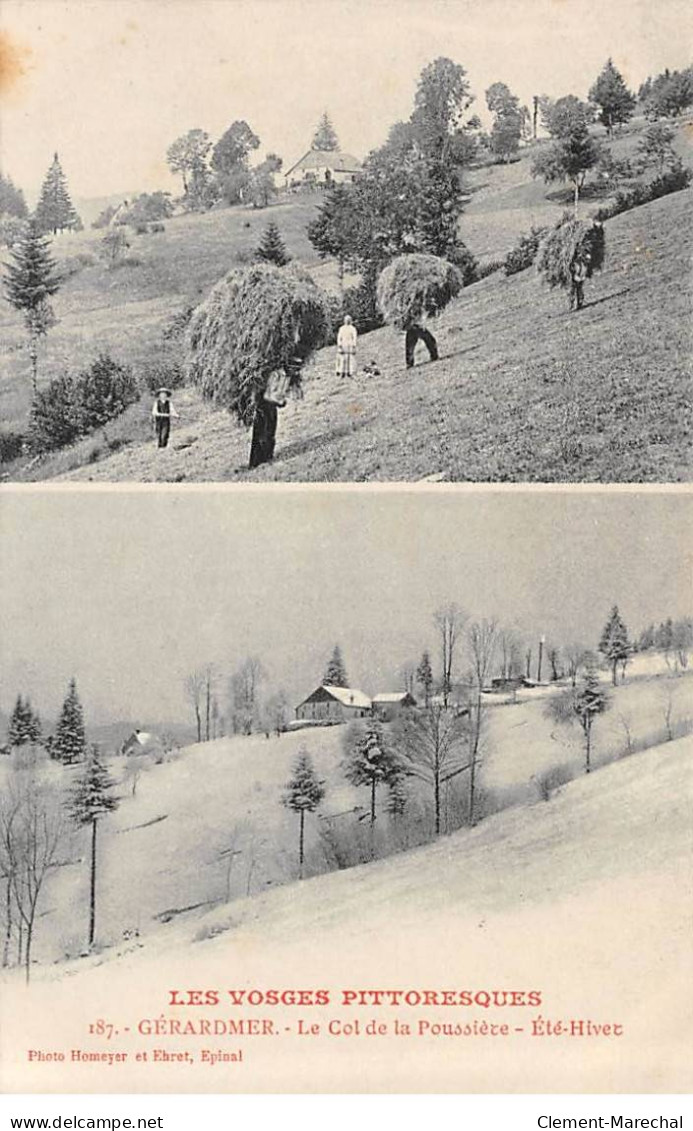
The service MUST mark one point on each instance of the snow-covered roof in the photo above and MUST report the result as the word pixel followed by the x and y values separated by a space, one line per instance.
pixel 326 159
pixel 348 696
pixel 390 697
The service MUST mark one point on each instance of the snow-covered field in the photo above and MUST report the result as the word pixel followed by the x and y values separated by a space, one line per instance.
pixel 585 899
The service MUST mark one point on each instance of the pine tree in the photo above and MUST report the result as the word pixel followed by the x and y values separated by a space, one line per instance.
pixel 55 211
pixel 614 644
pixel 325 139
pixel 24 726
pixel 424 676
pixel 90 800
pixel 615 101
pixel 335 672
pixel 588 701
pixel 29 282
pixel 69 742
pixel 303 794
pixel 271 248
pixel 370 760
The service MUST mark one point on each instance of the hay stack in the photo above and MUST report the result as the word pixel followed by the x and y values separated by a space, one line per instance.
pixel 415 286
pixel 255 321
pixel 569 241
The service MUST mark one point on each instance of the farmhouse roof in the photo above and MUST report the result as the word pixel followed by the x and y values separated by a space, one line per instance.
pixel 347 696
pixel 391 697
pixel 326 159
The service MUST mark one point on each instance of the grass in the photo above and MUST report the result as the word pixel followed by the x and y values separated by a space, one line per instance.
pixel 524 391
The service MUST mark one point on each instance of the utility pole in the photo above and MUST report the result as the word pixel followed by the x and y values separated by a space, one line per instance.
pixel 542 640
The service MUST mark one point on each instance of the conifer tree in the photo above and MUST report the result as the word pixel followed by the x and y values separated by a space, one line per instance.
pixel 30 280
pixel 335 672
pixel 69 742
pixel 589 700
pixel 303 794
pixel 424 676
pixel 55 211
pixel 614 644
pixel 90 800
pixel 370 760
pixel 612 96
pixel 24 726
pixel 325 139
pixel 271 248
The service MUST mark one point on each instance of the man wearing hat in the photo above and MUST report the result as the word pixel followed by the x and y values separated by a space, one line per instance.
pixel 162 412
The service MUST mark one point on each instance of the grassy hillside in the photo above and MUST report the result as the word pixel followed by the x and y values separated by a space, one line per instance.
pixel 523 391
pixel 164 853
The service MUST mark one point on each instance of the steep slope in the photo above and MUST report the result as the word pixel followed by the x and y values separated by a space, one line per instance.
pixel 524 390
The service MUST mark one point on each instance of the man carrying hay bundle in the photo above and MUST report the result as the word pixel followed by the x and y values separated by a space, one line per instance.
pixel 248 342
pixel 569 255
pixel 414 287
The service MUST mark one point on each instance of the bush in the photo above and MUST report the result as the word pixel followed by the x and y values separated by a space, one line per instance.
pixel 104 391
pixel 487 269
pixel 141 228
pixel 524 253
pixel 360 303
pixel 55 416
pixel 674 180
pixel 11 445
pixel 157 227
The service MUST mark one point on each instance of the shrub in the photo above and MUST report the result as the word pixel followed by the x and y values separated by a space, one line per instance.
pixel 104 390
pixel 415 286
pixel 157 227
pixel 55 416
pixel 255 321
pixel 483 271
pixel 73 264
pixel 674 180
pixel 524 253
pixel 11 445
pixel 360 302
pixel 141 228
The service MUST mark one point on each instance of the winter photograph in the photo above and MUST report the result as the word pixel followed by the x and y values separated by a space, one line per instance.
pixel 254 240
pixel 429 743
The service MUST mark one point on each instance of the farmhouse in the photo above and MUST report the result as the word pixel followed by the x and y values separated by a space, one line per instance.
pixel 323 167
pixel 390 703
pixel 329 704
pixel 141 742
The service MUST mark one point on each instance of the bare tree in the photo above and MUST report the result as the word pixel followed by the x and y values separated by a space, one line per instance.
pixel 194 689
pixel 244 694
pixel 575 657
pixel 209 674
pixel 482 641
pixel 32 828
pixel 408 677
pixel 433 747
pixel 449 620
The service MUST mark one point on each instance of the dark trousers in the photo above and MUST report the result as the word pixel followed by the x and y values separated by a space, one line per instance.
pixel 577 293
pixel 264 433
pixel 415 334
pixel 163 430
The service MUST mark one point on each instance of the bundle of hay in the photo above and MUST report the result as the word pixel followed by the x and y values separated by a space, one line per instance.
pixel 257 320
pixel 570 241
pixel 415 286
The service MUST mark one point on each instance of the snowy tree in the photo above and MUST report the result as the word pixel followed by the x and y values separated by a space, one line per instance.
pixel 335 672
pixel 24 726
pixel 55 211
pixel 30 280
pixel 614 644
pixel 482 640
pixel 69 741
pixel 449 621
pixel 583 704
pixel 303 794
pixel 370 760
pixel 271 248
pixel 612 96
pixel 91 799
pixel 424 677
pixel 325 138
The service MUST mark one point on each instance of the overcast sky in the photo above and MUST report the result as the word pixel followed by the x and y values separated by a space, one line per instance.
pixel 129 590
pixel 110 83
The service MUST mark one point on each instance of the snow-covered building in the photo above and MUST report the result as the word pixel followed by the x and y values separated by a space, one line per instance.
pixel 141 742
pixel 323 167
pixel 390 703
pixel 328 704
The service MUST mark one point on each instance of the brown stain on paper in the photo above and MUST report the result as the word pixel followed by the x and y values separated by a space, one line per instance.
pixel 14 64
